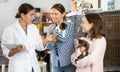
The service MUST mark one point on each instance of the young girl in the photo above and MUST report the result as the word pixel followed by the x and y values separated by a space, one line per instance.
pixel 93 62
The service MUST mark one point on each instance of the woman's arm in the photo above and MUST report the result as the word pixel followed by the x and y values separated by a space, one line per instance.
pixel 16 50
pixel 50 41
pixel 68 33
pixel 96 54
pixel 51 38
pixel 8 38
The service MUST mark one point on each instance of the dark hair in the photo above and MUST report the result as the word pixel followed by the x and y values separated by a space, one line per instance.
pixel 96 30
pixel 24 8
pixel 60 8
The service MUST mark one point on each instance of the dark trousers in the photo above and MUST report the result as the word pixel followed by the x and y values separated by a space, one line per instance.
pixel 32 70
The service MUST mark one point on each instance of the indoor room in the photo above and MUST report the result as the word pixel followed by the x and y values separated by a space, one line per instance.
pixel 45 35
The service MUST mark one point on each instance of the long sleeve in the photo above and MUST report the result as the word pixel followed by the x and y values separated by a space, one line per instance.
pixel 50 44
pixel 69 32
pixel 7 38
pixel 97 53
pixel 39 45
pixel 74 56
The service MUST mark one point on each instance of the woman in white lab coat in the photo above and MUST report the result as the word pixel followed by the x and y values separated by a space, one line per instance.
pixel 23 33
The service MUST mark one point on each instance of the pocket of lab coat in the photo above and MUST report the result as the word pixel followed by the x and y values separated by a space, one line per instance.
pixel 16 66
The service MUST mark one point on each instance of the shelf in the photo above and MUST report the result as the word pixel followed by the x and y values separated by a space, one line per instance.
pixel 45 21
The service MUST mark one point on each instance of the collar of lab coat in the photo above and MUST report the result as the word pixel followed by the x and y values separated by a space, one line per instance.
pixel 20 29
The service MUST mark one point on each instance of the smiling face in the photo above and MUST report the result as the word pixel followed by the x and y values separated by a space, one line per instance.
pixel 28 18
pixel 57 16
pixel 86 26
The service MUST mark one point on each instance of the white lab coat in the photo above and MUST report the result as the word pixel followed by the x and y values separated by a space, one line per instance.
pixel 22 61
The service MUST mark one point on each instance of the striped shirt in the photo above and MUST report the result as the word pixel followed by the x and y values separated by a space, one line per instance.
pixel 65 45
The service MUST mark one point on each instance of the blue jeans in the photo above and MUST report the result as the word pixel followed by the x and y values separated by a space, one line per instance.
pixel 68 68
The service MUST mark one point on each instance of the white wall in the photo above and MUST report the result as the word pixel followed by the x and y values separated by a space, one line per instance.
pixel 9 9
pixel 46 5
pixel 117 4
pixel 94 3
pixel 7 12
pixel 104 5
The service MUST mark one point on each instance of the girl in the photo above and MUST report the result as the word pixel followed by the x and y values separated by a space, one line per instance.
pixel 93 62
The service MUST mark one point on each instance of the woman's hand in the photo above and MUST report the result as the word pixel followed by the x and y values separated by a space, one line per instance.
pixel 16 50
pixel 52 37
pixel 21 48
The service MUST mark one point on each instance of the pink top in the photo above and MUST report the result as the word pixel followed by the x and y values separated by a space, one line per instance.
pixel 94 61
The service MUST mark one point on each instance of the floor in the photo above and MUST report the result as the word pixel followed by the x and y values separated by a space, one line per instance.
pixel 3 60
pixel 112 68
pixel 109 68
